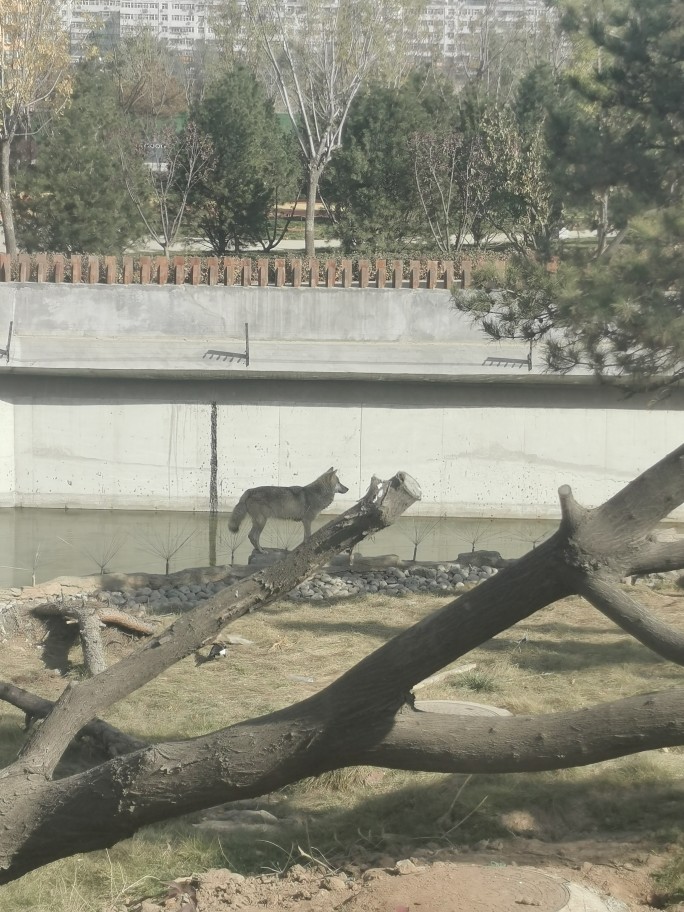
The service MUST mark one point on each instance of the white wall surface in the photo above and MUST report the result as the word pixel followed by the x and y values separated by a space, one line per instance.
pixel 7 481
pixel 476 450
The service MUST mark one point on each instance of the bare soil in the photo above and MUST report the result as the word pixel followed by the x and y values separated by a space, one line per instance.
pixel 504 877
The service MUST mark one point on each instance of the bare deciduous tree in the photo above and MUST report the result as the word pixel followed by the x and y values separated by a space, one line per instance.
pixel 34 77
pixel 151 80
pixel 446 169
pixel 365 716
pixel 319 56
pixel 177 160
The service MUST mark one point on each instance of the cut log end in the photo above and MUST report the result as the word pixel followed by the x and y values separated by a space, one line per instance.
pixel 409 484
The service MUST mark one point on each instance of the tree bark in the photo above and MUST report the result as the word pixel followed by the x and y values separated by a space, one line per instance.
pixel 89 626
pixel 6 209
pixel 313 177
pixel 365 716
pixel 113 741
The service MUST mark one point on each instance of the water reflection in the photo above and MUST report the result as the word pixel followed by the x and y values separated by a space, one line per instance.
pixel 41 544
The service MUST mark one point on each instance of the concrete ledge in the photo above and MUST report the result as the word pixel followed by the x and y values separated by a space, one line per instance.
pixel 147 331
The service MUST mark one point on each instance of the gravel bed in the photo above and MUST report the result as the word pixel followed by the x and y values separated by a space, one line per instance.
pixel 447 577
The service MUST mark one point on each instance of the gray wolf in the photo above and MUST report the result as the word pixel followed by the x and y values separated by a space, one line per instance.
pixel 302 504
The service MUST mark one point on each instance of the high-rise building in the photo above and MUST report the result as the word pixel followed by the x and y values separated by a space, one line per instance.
pixel 452 27
pixel 179 22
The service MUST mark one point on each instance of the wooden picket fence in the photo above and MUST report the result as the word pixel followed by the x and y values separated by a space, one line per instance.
pixel 261 272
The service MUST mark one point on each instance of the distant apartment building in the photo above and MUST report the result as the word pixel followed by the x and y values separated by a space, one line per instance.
pixel 178 22
pixel 450 25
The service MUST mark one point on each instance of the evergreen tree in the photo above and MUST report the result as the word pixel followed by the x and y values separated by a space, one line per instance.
pixel 73 198
pixel 254 166
pixel 371 181
pixel 618 308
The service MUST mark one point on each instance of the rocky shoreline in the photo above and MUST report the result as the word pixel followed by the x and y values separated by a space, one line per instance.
pixel 154 594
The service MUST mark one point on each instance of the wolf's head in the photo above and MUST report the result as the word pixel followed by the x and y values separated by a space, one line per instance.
pixel 334 482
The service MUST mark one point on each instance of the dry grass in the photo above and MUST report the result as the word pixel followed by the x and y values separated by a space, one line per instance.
pixel 566 656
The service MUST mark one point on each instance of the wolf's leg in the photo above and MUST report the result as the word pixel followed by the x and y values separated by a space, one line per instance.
pixel 255 533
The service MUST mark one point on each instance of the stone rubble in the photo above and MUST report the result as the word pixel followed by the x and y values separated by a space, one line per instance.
pixel 446 578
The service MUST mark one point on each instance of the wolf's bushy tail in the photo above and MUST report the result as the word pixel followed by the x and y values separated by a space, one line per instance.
pixel 238 514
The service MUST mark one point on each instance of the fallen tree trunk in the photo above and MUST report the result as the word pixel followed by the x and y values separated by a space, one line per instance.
pixel 365 716
pixel 106 615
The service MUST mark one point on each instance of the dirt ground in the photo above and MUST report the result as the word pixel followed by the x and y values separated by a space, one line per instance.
pixel 503 877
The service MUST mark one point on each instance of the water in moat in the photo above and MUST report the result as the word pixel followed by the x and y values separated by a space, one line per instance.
pixel 40 544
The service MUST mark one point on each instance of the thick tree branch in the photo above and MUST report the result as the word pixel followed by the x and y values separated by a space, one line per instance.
pixel 635 510
pixel 381 680
pixel 89 626
pixel 659 557
pixel 382 504
pixel 626 611
pixel 101 806
pixel 114 741
pixel 107 615
pixel 507 744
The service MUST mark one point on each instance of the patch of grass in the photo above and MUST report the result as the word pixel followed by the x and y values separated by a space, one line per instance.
pixel 479 681
pixel 670 880
pixel 104 881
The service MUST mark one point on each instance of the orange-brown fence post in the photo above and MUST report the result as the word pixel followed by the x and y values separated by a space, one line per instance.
pixel 363 273
pixel 127 270
pixel 346 273
pixel 448 274
pixel 380 273
pixel 431 280
pixel 58 261
pixel 145 270
pixel 229 267
pixel 414 274
pixel 330 273
pixel 280 272
pixel 246 271
pixel 161 269
pixel 314 272
pixel 179 270
pixel 5 267
pixel 24 267
pixel 212 270
pixel 466 274
pixel 41 267
pixel 110 270
pixel 262 272
pixel 93 270
pixel 296 273
pixel 195 270
pixel 76 268
pixel 398 274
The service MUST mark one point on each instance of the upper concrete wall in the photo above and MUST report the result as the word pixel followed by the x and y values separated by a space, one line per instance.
pixel 168 330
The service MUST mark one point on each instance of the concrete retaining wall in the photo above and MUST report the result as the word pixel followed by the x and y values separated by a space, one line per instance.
pixel 7 454
pixel 483 449
pixel 105 401
pixel 172 331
